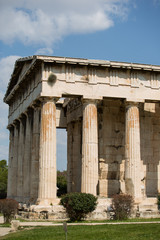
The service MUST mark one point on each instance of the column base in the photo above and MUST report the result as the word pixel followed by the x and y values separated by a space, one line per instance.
pixel 26 200
pixel 10 197
pixel 19 199
pixel 138 200
pixel 48 201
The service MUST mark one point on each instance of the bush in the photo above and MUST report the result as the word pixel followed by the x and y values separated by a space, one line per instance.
pixel 78 205
pixel 122 205
pixel 61 183
pixel 8 207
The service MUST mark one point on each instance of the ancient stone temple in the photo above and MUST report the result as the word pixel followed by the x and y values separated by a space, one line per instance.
pixel 111 112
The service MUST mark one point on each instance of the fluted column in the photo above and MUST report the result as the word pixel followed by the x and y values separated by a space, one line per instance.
pixel 10 163
pixel 132 150
pixel 27 156
pixel 20 160
pixel 47 161
pixel 35 154
pixel 69 156
pixel 76 157
pixel 89 175
pixel 15 161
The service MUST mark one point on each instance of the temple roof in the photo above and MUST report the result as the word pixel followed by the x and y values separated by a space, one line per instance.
pixel 32 61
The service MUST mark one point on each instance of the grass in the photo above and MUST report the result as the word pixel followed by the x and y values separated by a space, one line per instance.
pixel 127 220
pixel 91 221
pixel 102 232
pixel 5 224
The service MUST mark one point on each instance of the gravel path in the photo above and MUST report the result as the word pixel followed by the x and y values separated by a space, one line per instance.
pixel 6 230
pixel 1 219
pixel 33 224
pixel 3 230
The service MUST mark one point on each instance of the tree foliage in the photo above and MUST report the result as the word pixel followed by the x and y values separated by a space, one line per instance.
pixel 61 183
pixel 8 207
pixel 158 201
pixel 78 205
pixel 122 205
pixel 3 178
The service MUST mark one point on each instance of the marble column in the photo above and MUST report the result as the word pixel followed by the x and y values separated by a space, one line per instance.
pixel 89 174
pixel 69 156
pixel 132 150
pixel 20 160
pixel 10 163
pixel 47 160
pixel 76 176
pixel 27 156
pixel 15 161
pixel 35 154
pixel 73 156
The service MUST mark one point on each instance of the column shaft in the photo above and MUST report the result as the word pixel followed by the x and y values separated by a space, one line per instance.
pixel 27 157
pixel 89 178
pixel 20 161
pixel 76 176
pixel 10 164
pixel 132 151
pixel 35 156
pixel 69 156
pixel 47 162
pixel 15 162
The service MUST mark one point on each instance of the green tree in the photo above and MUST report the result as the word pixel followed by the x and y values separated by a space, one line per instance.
pixel 3 178
pixel 61 183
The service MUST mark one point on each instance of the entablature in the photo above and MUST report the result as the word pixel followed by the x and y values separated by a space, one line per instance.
pixel 41 76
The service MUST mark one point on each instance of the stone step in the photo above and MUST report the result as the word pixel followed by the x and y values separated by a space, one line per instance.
pixel 148 204
pixel 148 207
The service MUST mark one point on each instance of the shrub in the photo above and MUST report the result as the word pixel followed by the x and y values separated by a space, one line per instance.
pixel 61 183
pixel 8 207
pixel 78 205
pixel 122 205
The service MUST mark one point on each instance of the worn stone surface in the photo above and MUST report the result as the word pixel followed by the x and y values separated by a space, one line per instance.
pixel 47 159
pixel 111 112
pixel 89 175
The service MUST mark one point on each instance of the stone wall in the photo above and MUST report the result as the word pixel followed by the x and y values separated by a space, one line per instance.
pixel 150 151
pixel 111 147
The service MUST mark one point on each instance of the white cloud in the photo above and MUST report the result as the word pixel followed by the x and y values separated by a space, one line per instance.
pixel 44 51
pixel 156 2
pixel 6 68
pixel 46 22
pixel 3 152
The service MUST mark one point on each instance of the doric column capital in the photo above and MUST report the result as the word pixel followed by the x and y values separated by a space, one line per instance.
pixel 29 112
pixel 133 102
pixel 16 123
pixel 22 118
pixel 10 127
pixel 86 101
pixel 48 99
pixel 36 104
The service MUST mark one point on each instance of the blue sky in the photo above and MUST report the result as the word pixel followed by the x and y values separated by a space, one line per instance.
pixel 117 30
